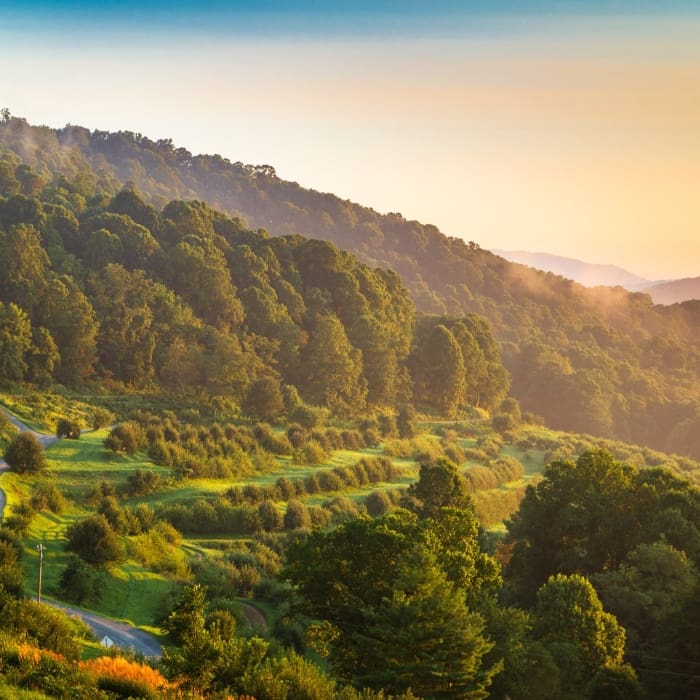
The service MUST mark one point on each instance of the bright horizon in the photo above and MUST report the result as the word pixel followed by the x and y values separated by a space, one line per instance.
pixel 566 128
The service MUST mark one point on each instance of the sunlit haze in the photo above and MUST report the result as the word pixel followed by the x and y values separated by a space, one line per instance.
pixel 543 130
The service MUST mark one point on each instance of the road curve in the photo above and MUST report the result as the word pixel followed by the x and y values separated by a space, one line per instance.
pixel 122 634
pixel 3 468
pixel 44 439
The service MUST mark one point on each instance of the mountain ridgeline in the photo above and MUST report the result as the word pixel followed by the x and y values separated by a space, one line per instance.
pixel 597 360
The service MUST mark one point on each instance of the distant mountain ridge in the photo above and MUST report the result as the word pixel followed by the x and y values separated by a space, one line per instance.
pixel 674 291
pixel 585 273
pixel 595 274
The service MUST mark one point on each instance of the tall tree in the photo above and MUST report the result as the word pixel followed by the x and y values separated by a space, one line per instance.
pixel 423 637
pixel 438 371
pixel 70 318
pixel 581 517
pixel 569 619
pixel 377 582
pixel 15 342
pixel 332 369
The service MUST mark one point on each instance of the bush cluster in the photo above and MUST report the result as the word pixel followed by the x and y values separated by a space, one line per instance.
pixel 500 471
pixel 368 470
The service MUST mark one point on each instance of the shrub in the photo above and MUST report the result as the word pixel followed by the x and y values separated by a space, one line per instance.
pixel 406 421
pixel 285 488
pixel 455 454
pixel 94 540
pixel 387 424
pixel 142 483
pixel 264 399
pixel 311 453
pixel 25 454
pixel 20 519
pixel 378 503
pixel 128 437
pixel 46 496
pixel 297 516
pixel 101 417
pixel 371 437
pixel 307 416
pixel 126 679
pixel 80 582
pixel 296 435
pixel 503 423
pixel 330 481
pixel 66 428
pixel 270 516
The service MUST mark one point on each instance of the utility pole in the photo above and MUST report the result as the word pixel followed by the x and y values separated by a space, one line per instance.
pixel 40 548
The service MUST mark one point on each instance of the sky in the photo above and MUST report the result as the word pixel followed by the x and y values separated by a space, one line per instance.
pixel 564 127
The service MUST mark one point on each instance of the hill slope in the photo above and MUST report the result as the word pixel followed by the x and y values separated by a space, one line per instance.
pixel 597 360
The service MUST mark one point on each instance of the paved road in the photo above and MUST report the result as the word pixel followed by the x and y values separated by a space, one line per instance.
pixel 45 440
pixel 122 634
pixel 3 468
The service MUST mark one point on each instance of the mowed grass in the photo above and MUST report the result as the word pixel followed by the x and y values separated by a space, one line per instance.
pixel 131 592
pixel 79 465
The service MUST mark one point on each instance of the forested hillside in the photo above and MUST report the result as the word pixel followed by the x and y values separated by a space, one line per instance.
pixel 109 291
pixel 598 360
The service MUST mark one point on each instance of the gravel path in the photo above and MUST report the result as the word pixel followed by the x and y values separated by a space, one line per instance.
pixel 121 633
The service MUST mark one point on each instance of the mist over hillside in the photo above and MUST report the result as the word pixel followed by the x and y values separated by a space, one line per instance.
pixel 594 274
pixel 585 273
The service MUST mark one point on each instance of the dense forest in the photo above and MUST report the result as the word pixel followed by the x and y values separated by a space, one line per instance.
pixel 598 360
pixel 107 289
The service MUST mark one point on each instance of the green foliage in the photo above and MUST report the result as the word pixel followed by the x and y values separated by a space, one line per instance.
pixel 564 524
pixel 210 657
pixel 570 621
pixel 101 417
pixel 599 360
pixel 47 496
pixel 49 628
pixel 648 587
pixel 25 454
pixel 264 399
pixel 94 540
pixel 68 428
pixel 126 437
pixel 11 574
pixel 81 583
pixel 422 636
pixel 363 579
pixel 142 483
pixel 439 486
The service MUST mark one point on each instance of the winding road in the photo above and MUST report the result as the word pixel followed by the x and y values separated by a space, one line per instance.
pixel 122 634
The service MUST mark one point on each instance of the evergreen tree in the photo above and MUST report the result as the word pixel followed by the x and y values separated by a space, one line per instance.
pixel 423 637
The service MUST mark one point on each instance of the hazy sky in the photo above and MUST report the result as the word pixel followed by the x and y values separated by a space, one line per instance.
pixel 566 127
